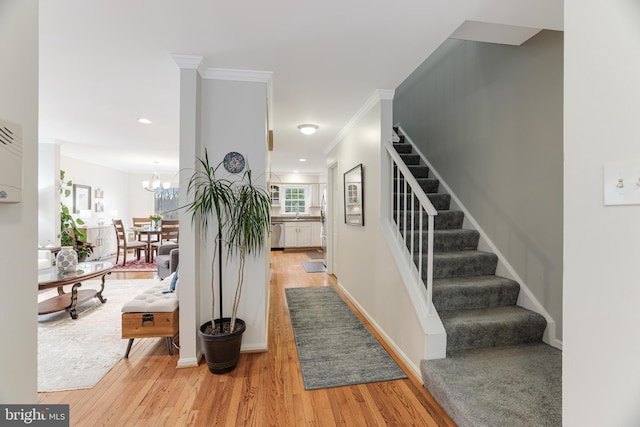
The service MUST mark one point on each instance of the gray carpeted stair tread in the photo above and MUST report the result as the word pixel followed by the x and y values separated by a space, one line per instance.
pixel 491 327
pixel 474 292
pixel 457 239
pixel 419 171
pixel 516 386
pixel 440 201
pixel 402 148
pixel 410 159
pixel 428 185
pixel 463 263
pixel 445 220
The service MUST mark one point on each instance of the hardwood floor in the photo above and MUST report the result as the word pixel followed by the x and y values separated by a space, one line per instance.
pixel 266 389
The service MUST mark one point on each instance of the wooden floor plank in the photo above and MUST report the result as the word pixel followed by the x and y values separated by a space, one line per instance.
pixel 265 390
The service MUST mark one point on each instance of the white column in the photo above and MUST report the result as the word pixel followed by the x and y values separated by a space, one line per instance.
pixel 190 147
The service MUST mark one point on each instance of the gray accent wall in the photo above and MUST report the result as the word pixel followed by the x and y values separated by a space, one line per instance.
pixel 489 119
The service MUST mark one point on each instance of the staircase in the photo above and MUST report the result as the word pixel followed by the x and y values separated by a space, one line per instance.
pixel 486 330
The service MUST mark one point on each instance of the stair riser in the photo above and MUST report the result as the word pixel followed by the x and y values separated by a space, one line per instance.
pixel 439 201
pixel 410 159
pixel 403 148
pixel 470 297
pixel 445 220
pixel 493 333
pixel 428 185
pixel 465 240
pixel 473 264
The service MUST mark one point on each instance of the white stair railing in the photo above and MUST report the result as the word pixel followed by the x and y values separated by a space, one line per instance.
pixel 406 193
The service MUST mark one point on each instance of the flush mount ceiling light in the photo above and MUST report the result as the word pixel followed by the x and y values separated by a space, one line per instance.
pixel 144 121
pixel 302 160
pixel 308 129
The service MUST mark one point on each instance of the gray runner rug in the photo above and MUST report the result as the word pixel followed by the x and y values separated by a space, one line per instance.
pixel 335 349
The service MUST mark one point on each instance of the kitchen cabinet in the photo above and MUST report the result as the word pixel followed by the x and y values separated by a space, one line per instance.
pixel 274 193
pixel 102 239
pixel 298 234
pixel 316 230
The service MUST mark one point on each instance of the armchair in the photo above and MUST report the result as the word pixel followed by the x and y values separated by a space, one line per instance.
pixel 167 259
pixel 44 258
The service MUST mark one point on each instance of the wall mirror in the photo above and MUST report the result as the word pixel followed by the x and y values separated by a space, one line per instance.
pixel 353 192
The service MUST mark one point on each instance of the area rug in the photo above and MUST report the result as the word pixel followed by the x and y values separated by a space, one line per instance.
pixel 135 265
pixel 314 267
pixel 334 347
pixel 75 354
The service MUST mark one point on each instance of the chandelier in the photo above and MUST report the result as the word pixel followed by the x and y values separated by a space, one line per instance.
pixel 153 183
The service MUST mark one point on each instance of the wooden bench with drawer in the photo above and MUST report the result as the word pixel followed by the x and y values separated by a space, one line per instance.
pixel 151 314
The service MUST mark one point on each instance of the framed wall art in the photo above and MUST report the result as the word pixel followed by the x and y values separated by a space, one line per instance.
pixel 81 198
pixel 353 196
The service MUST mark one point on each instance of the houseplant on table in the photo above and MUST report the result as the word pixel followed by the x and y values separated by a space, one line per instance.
pixel 155 218
pixel 241 210
pixel 70 235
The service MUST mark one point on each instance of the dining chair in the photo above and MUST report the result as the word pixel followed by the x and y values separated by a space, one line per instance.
pixel 121 235
pixel 141 222
pixel 169 233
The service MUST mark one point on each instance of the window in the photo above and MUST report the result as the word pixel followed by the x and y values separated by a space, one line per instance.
pixel 166 203
pixel 295 200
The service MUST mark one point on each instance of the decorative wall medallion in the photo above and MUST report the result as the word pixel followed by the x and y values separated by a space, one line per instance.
pixel 233 162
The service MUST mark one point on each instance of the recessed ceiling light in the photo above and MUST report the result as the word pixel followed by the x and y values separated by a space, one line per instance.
pixel 144 121
pixel 302 160
pixel 308 129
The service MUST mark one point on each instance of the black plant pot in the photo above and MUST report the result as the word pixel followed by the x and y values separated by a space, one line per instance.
pixel 222 352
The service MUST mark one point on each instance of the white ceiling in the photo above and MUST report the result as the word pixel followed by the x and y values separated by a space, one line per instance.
pixel 106 63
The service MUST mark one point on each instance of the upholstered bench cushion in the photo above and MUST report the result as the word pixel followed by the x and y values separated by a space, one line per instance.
pixel 153 300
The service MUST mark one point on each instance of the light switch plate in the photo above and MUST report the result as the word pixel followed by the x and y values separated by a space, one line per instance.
pixel 622 183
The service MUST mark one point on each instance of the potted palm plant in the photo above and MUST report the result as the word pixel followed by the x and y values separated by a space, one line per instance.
pixel 241 210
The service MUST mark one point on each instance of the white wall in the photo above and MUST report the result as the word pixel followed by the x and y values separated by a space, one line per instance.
pixel 18 222
pixel 123 195
pixel 365 268
pixel 234 119
pixel 601 369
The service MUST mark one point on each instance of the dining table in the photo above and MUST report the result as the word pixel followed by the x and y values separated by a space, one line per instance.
pixel 146 234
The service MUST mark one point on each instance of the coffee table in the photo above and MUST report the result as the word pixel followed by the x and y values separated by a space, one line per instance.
pixel 51 278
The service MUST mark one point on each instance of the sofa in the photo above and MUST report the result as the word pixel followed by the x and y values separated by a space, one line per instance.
pixel 45 259
pixel 167 259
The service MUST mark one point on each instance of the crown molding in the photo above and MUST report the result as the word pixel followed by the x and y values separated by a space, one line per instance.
pixel 190 62
pixel 377 96
pixel 238 75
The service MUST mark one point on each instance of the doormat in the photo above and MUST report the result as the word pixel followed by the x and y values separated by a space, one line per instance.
pixel 315 255
pixel 334 347
pixel 314 267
